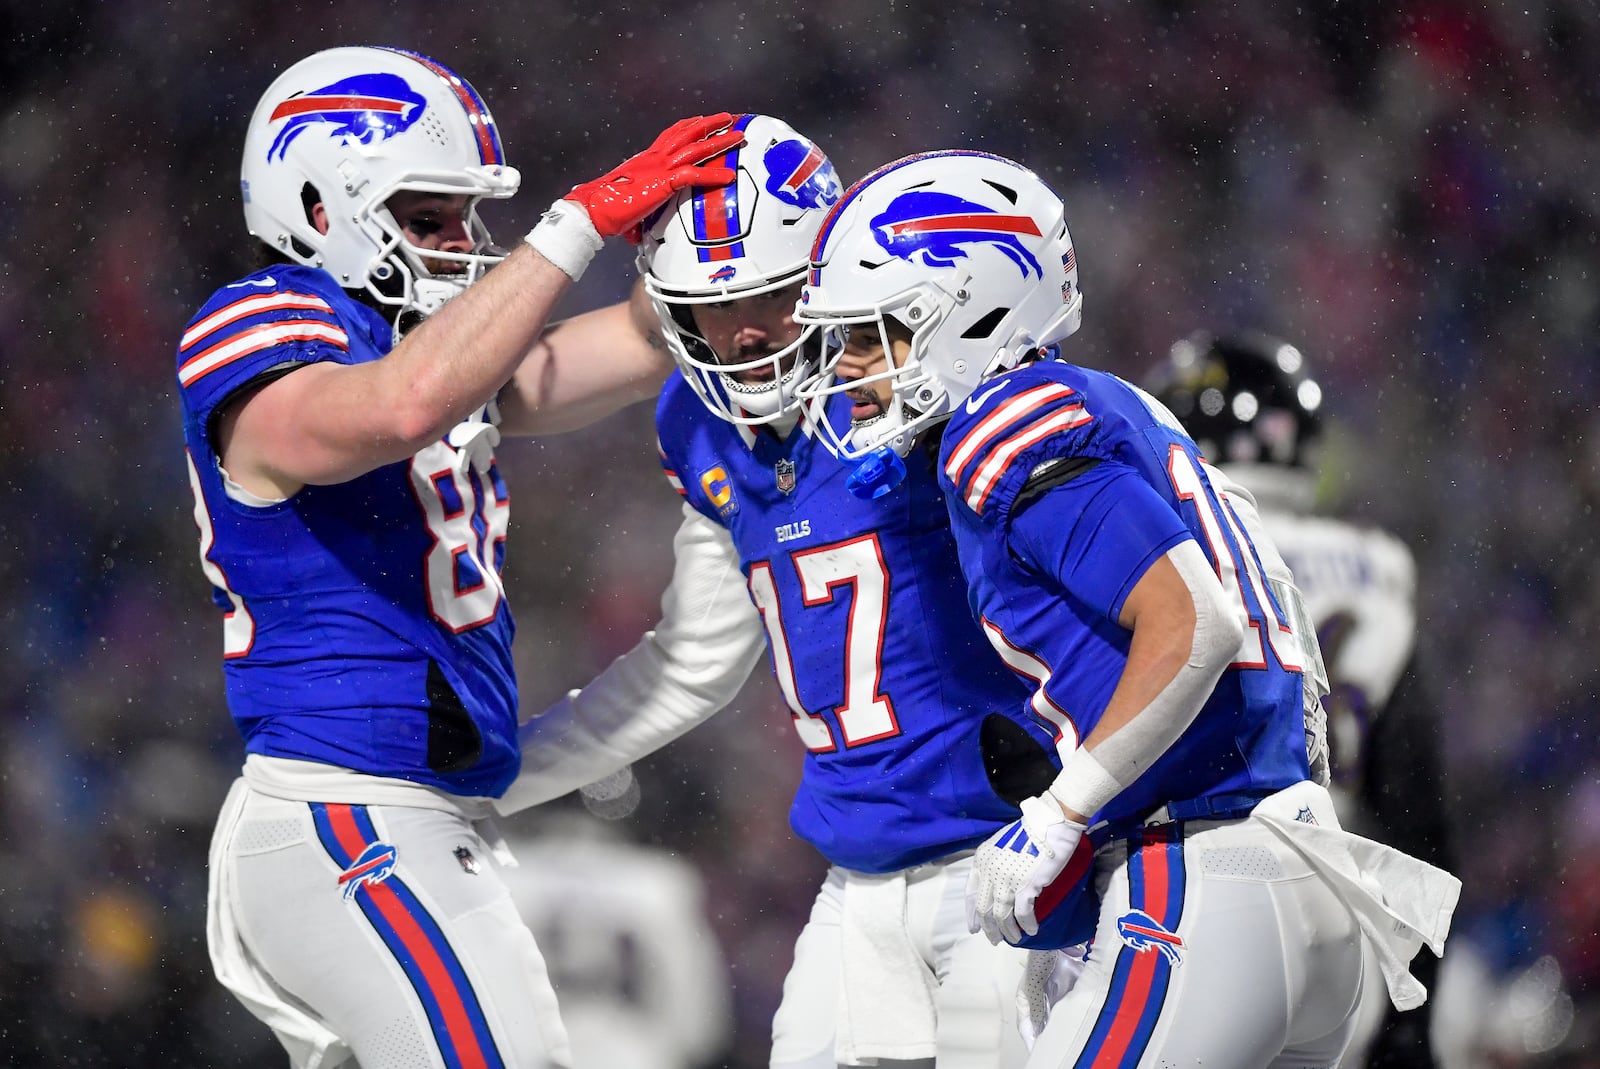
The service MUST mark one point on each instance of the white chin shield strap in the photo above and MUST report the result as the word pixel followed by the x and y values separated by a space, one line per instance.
pixel 759 399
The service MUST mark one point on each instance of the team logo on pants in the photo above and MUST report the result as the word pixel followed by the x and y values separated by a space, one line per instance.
pixel 373 866
pixel 1143 932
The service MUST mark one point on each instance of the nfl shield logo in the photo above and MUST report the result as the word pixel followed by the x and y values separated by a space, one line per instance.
pixel 785 472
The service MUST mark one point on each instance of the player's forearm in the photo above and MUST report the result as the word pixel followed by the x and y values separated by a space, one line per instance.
pixel 1185 633
pixel 454 363
pixel 329 423
pixel 585 368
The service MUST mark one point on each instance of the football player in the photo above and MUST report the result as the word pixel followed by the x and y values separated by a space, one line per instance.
pixel 1251 405
pixel 1098 553
pixel 352 522
pixel 892 687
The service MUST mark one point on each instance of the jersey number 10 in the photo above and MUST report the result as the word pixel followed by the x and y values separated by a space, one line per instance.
pixel 1267 623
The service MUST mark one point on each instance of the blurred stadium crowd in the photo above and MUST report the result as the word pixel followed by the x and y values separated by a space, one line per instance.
pixel 1404 188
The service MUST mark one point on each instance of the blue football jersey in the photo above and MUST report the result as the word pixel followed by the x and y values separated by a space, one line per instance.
pixel 364 624
pixel 1048 577
pixel 884 670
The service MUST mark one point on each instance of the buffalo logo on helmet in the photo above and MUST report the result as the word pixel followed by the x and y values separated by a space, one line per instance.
pixel 372 866
pixel 932 228
pixel 367 108
pixel 800 175
pixel 724 273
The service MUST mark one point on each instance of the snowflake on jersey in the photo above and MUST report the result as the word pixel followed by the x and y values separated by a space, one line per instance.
pixel 1064 485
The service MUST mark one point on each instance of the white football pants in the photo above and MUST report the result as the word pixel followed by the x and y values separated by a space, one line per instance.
pixel 378 932
pixel 917 988
pixel 1217 946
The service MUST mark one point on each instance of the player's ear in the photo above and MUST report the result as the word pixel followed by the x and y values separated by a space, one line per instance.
pixel 316 212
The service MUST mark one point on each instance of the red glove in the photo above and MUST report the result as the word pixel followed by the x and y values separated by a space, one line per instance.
pixel 618 201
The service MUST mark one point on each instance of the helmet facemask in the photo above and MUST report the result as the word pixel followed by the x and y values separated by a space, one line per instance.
pixel 747 241
pixel 967 252
pixel 918 399
pixel 717 381
pixel 414 281
pixel 356 126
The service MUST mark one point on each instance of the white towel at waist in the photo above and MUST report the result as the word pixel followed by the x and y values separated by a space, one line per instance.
pixel 886 990
pixel 1400 902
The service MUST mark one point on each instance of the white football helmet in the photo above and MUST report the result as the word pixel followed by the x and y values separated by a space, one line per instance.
pixel 752 237
pixel 351 126
pixel 967 252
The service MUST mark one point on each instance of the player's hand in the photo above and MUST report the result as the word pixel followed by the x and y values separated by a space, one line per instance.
pixel 1015 867
pixel 618 200
pixel 1046 979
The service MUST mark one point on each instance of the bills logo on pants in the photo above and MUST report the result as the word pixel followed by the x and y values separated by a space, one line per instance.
pixel 1140 932
pixel 370 880
pixel 373 866
pixel 1151 949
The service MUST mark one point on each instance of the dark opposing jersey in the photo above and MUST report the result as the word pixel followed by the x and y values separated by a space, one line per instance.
pixel 886 674
pixel 1115 485
pixel 364 624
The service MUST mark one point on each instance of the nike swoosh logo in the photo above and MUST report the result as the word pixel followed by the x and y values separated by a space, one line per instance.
pixel 976 401
pixel 269 282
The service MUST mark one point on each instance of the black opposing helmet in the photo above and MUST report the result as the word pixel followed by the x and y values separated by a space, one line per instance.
pixel 1244 398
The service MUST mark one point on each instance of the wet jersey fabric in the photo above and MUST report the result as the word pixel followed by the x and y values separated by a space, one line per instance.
pixel 1064 485
pixel 364 624
pixel 884 669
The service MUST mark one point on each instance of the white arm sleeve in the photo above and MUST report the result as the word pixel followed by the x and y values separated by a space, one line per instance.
pixel 1089 780
pixel 693 663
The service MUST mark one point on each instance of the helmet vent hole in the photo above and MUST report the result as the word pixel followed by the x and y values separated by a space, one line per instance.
pixel 985 325
pixel 434 129
pixel 1005 191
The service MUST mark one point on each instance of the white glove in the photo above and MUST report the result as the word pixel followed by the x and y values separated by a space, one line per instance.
pixel 1046 979
pixel 1014 865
